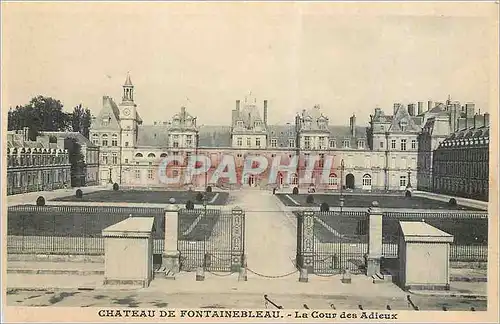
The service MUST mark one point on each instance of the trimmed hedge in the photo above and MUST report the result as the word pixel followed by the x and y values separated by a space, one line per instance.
pixel 116 187
pixel 79 193
pixel 310 199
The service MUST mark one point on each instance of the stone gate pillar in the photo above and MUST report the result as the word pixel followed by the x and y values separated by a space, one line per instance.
pixel 171 253
pixel 305 241
pixel 237 238
pixel 374 219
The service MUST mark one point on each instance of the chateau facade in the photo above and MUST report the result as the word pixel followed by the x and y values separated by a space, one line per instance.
pixel 35 165
pixel 383 155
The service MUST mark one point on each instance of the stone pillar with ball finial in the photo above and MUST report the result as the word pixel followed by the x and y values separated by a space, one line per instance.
pixel 171 253
pixel 374 218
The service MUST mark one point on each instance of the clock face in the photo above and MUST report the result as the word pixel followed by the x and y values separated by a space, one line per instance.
pixel 126 112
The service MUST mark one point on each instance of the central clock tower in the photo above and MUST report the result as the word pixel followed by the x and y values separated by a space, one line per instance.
pixel 128 115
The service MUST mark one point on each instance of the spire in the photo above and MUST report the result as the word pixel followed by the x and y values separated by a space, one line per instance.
pixel 128 89
pixel 128 82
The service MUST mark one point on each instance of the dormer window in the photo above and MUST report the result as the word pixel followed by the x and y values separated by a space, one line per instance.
pixel 346 143
pixel 332 144
pixel 257 124
pixel 239 124
pixel 403 124
pixel 361 144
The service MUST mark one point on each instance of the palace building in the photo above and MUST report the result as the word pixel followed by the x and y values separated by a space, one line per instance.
pixel 383 155
pixel 35 165
pixel 461 162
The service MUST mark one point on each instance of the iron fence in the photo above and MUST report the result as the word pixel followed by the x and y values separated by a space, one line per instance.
pixel 73 230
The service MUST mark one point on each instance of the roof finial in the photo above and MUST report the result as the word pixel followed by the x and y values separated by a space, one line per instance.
pixel 128 81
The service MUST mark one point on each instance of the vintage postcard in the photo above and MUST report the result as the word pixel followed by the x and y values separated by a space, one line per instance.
pixel 250 161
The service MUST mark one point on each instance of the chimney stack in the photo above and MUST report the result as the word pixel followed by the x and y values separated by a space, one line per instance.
pixel 395 108
pixel 25 133
pixel 352 124
pixel 237 105
pixel 429 105
pixel 411 109
pixel 469 109
pixel 486 117
pixel 265 112
pixel 420 107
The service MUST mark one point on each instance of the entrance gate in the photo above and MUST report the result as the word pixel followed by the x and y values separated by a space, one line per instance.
pixel 211 238
pixel 328 242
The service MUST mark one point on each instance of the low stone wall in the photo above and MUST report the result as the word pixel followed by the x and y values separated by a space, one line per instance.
pixel 55 258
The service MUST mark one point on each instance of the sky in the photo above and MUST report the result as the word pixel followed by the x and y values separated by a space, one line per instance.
pixel 348 58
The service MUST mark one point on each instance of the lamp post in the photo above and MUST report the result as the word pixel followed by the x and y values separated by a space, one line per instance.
pixel 408 186
pixel 341 185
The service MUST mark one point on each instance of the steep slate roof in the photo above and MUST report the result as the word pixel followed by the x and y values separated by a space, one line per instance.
pixel 400 115
pixel 108 111
pixel 281 133
pixel 214 136
pixel 75 135
pixel 152 135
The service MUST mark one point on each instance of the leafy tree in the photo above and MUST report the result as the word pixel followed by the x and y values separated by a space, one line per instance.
pixel 81 120
pixel 40 114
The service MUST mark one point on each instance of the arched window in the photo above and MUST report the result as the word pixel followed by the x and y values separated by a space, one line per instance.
pixel 139 155
pixel 114 140
pixel 95 139
pixel 295 179
pixel 163 155
pixel 104 139
pixel 332 179
pixel 151 155
pixel 367 181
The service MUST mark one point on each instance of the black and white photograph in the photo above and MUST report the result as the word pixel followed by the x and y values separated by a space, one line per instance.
pixel 250 161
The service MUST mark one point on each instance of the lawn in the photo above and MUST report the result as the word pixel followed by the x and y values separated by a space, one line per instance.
pixel 466 231
pixel 57 221
pixel 146 196
pixel 387 201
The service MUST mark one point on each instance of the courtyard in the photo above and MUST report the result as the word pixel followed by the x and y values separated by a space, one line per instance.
pixel 365 200
pixel 149 196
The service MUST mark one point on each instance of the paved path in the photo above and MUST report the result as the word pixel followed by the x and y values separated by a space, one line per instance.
pixel 270 236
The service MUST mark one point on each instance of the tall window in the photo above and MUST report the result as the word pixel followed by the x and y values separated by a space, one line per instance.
pixel 332 179
pixel 95 139
pixel 393 144
pixel 367 180
pixel 346 143
pixel 413 144
pixel 403 145
pixel 239 141
pixel 257 142
pixel 175 162
pixel 114 140
pixel 291 142
pixel 150 174
pixel 274 142
pixel 137 173
pixel 402 181
pixel 115 158
pixel 175 142
pixel 104 158
pixel 249 142
pixel 381 144
pixel 105 140
pixel 321 142
pixel 189 140
pixel 307 142
pixel 361 144
pixel 295 179
pixel 332 144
